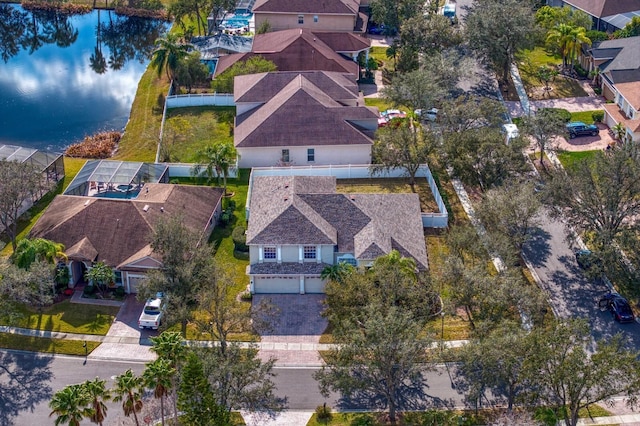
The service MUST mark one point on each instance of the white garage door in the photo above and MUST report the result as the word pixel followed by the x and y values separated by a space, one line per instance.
pixel 133 281
pixel 274 285
pixel 313 285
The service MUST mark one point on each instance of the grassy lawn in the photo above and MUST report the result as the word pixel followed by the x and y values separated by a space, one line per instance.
pixel 140 139
pixel 570 158
pixel 430 417
pixel 584 116
pixel 206 124
pixel 379 53
pixel 71 168
pixel 43 344
pixel 530 60
pixel 236 263
pixel 66 317
pixel 388 186
pixel 381 103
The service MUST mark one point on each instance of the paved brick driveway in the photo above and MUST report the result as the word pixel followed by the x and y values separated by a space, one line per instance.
pixel 298 320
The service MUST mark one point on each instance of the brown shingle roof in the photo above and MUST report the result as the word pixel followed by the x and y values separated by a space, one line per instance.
pixel 343 42
pixel 294 50
pixel 117 229
pixel 264 86
pixel 310 116
pixel 367 225
pixel 631 92
pixel 307 6
pixel 602 8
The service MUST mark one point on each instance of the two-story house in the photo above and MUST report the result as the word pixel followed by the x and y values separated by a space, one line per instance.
pixel 307 118
pixel 298 225
pixel 327 15
pixel 607 15
pixel 618 61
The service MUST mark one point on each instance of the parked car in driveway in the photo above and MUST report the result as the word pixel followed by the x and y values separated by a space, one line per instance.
pixel 578 128
pixel 428 115
pixel 152 313
pixel 618 306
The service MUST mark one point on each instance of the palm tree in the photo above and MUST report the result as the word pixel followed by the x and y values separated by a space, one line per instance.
pixel 168 54
pixel 129 388
pixel 170 346
pixel 98 394
pixel 28 251
pixel 561 37
pixel 619 132
pixel 337 272
pixel 217 159
pixel 70 405
pixel 577 38
pixel 159 376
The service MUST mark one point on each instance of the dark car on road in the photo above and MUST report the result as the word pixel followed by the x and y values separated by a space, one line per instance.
pixel 618 306
pixel 578 128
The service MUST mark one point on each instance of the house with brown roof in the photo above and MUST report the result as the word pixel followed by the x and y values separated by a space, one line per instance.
pixel 298 225
pixel 607 15
pixel 306 118
pixel 326 15
pixel 304 50
pixel 118 231
pixel 618 61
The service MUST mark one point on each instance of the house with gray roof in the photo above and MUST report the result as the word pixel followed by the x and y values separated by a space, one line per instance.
pixel 327 15
pixel 607 15
pixel 298 225
pixel 301 118
pixel 618 62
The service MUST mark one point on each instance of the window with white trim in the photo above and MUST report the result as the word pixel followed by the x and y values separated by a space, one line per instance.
pixel 309 252
pixel 315 18
pixel 300 19
pixel 311 155
pixel 269 253
pixel 285 156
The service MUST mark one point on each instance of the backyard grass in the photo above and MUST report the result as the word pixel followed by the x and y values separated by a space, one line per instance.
pixel 43 344
pixel 66 317
pixel 379 53
pixel 530 60
pixel 140 139
pixel 584 116
pixel 380 103
pixel 389 186
pixel 206 124
pixel 568 159
pixel 71 168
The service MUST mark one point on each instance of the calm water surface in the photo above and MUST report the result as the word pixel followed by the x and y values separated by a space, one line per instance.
pixel 64 77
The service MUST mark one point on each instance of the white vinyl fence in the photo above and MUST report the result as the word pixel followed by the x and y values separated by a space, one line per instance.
pixel 203 99
pixel 179 170
pixel 429 220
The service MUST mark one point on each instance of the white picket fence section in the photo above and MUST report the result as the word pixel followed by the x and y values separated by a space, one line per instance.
pixel 200 99
pixel 429 220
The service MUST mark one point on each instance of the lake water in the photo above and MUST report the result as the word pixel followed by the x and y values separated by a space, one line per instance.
pixel 65 77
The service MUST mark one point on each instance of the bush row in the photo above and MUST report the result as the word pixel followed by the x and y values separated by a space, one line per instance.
pixel 98 146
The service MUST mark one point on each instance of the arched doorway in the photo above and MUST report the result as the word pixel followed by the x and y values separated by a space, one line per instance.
pixel 78 269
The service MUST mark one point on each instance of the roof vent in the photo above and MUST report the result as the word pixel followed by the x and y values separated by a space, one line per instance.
pixel 286 199
pixel 145 208
pixel 161 209
pixel 353 198
pixel 86 203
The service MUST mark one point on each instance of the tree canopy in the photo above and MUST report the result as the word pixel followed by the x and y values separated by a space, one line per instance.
pixel 254 65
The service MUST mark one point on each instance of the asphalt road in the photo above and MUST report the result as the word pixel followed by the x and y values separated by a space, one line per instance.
pixel 571 295
pixel 36 378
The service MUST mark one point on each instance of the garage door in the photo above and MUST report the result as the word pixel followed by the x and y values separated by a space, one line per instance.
pixel 133 281
pixel 313 285
pixel 274 285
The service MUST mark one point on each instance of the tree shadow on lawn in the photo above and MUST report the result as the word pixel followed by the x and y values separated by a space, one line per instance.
pixel 23 384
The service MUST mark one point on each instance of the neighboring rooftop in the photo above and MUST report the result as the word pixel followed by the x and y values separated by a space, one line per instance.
pixel 115 231
pixel 602 8
pixel 621 58
pixel 307 6
pixel 307 210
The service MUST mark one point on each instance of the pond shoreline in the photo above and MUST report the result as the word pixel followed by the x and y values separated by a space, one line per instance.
pixel 81 8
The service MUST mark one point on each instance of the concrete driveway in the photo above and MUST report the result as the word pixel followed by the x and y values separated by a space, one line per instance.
pixel 129 342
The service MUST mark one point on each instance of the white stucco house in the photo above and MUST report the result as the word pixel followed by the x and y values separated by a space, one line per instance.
pixel 301 118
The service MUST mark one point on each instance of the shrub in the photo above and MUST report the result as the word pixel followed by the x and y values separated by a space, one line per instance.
pixel 224 219
pixel 89 290
pixel 562 113
pixel 246 296
pixel 119 291
pixel 239 239
pixel 580 71
pixel 101 145
pixel 323 412
pixel 597 90
pixel 595 35
pixel 597 116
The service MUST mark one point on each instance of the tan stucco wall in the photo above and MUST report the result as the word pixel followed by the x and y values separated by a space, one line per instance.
pixel 325 22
